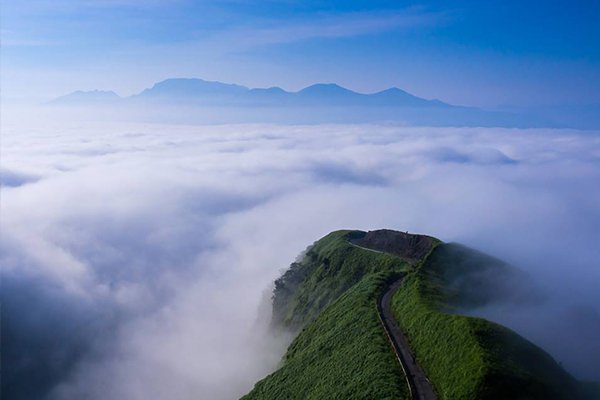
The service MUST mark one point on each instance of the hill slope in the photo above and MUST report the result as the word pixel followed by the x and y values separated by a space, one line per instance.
pixel 465 357
pixel 341 352
pixel 329 297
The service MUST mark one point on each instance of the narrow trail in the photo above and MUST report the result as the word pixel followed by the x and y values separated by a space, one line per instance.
pixel 366 248
pixel 420 387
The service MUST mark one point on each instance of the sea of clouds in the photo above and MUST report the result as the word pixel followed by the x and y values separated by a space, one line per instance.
pixel 137 258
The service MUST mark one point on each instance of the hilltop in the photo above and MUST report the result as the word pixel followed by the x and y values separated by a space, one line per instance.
pixel 331 299
pixel 92 97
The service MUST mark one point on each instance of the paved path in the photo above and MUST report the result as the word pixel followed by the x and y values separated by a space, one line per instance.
pixel 420 387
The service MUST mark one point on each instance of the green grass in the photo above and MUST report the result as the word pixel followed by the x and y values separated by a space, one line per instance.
pixel 343 354
pixel 471 358
pixel 329 268
pixel 342 351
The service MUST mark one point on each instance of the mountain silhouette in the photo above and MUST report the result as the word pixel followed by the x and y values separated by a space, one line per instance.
pixel 81 97
pixel 205 101
pixel 191 90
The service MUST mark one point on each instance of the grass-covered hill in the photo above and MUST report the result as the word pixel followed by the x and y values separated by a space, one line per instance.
pixel 341 352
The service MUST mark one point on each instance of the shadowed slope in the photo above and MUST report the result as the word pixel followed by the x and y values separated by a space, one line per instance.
pixel 472 358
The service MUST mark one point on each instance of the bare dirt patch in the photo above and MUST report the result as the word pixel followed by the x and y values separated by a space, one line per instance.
pixel 409 246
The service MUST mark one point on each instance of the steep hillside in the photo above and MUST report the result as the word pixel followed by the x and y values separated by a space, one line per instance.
pixel 343 354
pixel 341 351
pixel 472 358
pixel 329 268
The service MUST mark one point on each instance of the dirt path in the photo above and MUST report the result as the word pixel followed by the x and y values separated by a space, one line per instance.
pixel 366 248
pixel 420 387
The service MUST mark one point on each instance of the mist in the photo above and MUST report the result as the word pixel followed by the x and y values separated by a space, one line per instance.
pixel 138 258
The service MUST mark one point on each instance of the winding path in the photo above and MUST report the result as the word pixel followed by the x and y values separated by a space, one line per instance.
pixel 420 387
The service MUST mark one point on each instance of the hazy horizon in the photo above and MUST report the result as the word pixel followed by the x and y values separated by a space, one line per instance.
pixel 541 54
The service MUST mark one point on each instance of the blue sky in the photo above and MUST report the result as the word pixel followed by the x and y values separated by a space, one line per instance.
pixel 465 52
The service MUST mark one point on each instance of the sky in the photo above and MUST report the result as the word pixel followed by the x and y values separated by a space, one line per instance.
pixel 491 54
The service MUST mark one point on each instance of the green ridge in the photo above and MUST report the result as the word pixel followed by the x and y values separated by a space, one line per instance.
pixel 466 357
pixel 343 354
pixel 329 267
pixel 341 351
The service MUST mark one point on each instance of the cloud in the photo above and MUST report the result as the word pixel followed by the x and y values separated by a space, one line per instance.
pixel 334 26
pixel 267 32
pixel 13 179
pixel 136 264
pixel 473 156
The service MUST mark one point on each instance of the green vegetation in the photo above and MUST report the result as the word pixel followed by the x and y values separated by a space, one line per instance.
pixel 329 268
pixel 343 354
pixel 341 351
pixel 465 357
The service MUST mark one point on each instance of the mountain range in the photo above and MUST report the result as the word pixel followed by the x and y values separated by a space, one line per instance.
pixel 198 100
pixel 199 91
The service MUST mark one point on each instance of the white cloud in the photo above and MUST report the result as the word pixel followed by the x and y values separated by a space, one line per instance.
pixel 169 235
pixel 325 26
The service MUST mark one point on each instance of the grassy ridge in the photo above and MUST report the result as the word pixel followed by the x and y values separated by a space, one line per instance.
pixel 329 268
pixel 343 354
pixel 433 338
pixel 471 358
pixel 341 350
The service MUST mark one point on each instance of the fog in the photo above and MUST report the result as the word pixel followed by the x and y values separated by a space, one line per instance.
pixel 137 257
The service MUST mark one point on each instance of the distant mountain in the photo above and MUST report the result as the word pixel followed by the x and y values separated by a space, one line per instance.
pixel 330 93
pixel 320 94
pixel 198 100
pixel 182 89
pixel 399 97
pixel 198 91
pixel 87 97
pixel 266 97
